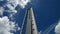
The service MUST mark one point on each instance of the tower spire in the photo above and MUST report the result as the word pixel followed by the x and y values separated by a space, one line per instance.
pixel 31 27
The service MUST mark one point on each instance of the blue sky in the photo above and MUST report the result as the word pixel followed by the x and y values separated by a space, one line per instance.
pixel 46 13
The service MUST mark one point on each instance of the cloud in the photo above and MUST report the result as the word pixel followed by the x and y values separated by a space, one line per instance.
pixel 7 26
pixel 1 0
pixel 57 28
pixel 1 10
pixel 12 4
pixel 21 3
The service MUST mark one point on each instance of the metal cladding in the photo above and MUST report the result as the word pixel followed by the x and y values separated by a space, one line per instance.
pixel 31 27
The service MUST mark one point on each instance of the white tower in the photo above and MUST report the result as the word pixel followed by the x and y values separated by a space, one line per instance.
pixel 31 27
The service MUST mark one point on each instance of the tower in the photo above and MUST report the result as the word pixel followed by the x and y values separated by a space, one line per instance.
pixel 31 27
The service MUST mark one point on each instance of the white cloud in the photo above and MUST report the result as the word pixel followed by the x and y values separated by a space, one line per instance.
pixel 1 10
pixel 11 12
pixel 6 26
pixel 21 3
pixel 57 28
pixel 1 0
pixel 11 4
pixel 10 7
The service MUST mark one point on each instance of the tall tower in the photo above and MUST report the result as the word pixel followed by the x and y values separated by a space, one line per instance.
pixel 31 27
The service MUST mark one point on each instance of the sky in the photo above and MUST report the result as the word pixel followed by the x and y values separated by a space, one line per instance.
pixel 47 13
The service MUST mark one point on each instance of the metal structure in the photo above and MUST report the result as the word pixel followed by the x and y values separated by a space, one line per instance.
pixel 31 27
pixel 31 24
